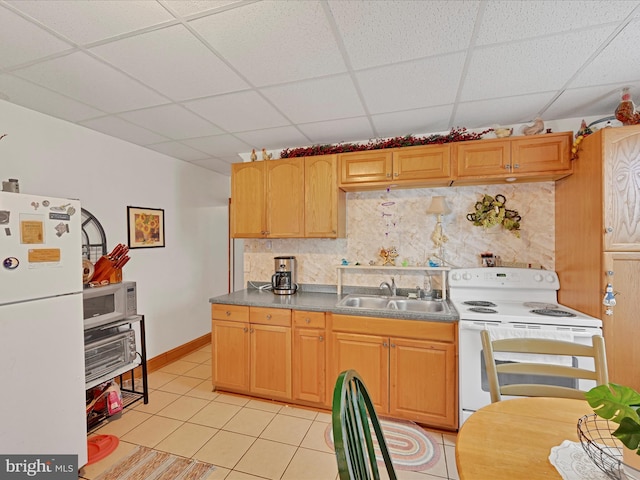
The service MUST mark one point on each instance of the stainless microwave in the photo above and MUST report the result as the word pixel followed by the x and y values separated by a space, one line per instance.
pixel 109 303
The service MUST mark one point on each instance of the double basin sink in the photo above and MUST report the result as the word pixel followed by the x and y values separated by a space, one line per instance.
pixel 378 302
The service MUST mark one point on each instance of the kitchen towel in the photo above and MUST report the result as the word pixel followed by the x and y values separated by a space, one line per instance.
pixel 500 333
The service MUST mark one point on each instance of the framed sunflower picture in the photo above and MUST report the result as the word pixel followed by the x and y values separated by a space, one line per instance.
pixel 145 227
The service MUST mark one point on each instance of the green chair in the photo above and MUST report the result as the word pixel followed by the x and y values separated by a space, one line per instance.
pixel 352 417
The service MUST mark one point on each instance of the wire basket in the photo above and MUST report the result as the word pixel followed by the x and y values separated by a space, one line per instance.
pixel 603 448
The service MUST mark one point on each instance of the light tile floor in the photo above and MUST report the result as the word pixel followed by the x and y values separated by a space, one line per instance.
pixel 244 437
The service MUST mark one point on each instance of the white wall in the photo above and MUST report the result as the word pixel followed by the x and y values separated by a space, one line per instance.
pixel 53 157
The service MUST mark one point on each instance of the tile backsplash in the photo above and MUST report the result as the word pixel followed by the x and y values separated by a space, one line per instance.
pixel 397 217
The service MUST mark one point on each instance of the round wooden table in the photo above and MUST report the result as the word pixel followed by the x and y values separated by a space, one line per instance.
pixel 512 439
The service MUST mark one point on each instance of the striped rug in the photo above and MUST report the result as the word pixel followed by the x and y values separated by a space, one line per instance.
pixel 144 463
pixel 411 447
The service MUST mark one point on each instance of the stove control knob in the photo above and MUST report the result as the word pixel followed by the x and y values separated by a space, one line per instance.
pixel 537 277
pixel 550 278
pixel 466 276
pixel 455 276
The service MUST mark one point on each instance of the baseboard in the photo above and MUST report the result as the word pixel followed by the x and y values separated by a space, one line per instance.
pixel 159 361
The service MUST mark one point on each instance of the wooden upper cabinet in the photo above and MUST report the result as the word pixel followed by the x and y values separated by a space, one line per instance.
pixel 248 211
pixel 324 203
pixel 285 198
pixel 365 167
pixel 401 167
pixel 529 158
pixel 621 189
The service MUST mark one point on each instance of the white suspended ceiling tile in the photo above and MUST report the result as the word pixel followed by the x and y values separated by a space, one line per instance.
pixel 274 138
pixel 380 32
pixel 317 100
pixel 587 101
pixel 505 21
pixel 421 83
pixel 88 80
pixel 119 128
pixel 502 112
pixel 172 61
pixel 618 62
pixel 21 92
pixel 22 41
pixel 345 130
pixel 274 42
pixel 531 66
pixel 178 150
pixel 236 112
pixel 190 7
pixel 413 122
pixel 219 145
pixel 87 21
pixel 172 121
pixel 214 164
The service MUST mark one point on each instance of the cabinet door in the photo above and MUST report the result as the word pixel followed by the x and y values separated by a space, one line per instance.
pixel 423 165
pixel 621 328
pixel 423 382
pixel 541 153
pixel 271 361
pixel 230 355
pixel 324 203
pixel 622 189
pixel 248 200
pixel 285 198
pixel 309 364
pixel 482 158
pixel 365 167
pixel 369 356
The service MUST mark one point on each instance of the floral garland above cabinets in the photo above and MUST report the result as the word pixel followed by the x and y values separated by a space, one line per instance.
pixel 455 135
pixel 491 211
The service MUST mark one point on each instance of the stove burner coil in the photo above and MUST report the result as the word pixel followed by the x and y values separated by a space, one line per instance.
pixel 549 312
pixel 541 305
pixel 483 309
pixel 480 303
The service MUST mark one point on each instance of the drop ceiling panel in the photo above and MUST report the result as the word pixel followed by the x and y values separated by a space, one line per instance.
pixel 190 7
pixel 588 101
pixel 417 121
pixel 506 21
pixel 27 94
pixel 317 100
pixel 172 121
pixel 274 138
pixel 421 83
pixel 501 111
pixel 173 62
pixel 218 145
pixel 529 66
pixel 23 41
pixel 237 112
pixel 85 22
pixel 119 128
pixel 618 62
pixel 274 42
pixel 215 164
pixel 179 150
pixel 338 131
pixel 84 78
pixel 395 31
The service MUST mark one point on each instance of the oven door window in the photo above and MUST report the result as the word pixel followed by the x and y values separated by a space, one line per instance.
pixel 510 378
pixel 98 306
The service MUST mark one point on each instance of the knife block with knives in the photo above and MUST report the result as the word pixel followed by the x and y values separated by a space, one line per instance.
pixel 109 267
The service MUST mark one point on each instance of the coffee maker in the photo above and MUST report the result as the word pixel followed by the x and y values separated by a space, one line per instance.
pixel 283 282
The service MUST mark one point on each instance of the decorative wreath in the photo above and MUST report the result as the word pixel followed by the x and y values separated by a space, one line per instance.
pixel 491 211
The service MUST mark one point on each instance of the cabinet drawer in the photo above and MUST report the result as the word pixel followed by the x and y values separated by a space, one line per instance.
pixel 308 319
pixel 236 313
pixel 270 316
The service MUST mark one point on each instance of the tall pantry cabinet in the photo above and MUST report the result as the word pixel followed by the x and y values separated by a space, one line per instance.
pixel 598 242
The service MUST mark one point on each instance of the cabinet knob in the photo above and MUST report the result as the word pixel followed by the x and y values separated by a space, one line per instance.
pixel 228 313
pixel 246 329
pixel 517 165
pixel 388 175
pixel 268 316
pixel 320 338
pixel 385 344
pixel 396 174
pixel 307 320
pixel 393 345
pixel 251 330
pixel 609 229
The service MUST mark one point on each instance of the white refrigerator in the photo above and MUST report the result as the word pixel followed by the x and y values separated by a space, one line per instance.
pixel 42 401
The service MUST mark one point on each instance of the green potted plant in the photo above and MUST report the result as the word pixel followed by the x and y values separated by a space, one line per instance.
pixel 621 405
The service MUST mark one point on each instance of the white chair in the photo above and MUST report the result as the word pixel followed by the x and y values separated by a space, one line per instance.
pixel 541 346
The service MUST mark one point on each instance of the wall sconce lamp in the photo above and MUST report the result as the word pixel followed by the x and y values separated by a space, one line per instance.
pixel 439 207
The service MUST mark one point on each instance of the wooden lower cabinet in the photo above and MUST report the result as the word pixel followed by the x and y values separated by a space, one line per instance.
pixel 230 347
pixel 309 357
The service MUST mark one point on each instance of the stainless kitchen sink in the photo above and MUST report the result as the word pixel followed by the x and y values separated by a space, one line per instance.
pixel 377 302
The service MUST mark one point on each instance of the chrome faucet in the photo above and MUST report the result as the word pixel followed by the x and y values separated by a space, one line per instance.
pixel 392 287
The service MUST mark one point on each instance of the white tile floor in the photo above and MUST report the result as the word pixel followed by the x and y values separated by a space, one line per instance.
pixel 244 437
